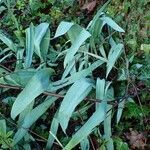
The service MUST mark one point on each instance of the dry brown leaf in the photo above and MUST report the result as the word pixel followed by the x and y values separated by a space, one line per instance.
pixel 89 6
pixel 137 140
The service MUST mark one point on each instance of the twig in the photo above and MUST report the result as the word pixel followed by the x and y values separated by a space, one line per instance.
pixel 112 102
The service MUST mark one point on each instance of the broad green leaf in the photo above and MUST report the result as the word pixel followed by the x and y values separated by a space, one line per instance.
pixel 8 80
pixel 73 33
pixel 113 55
pixel 97 117
pixel 112 24
pixel 20 57
pixel 73 97
pixel 40 32
pixel 79 40
pixel 102 93
pixel 20 78
pixel 78 37
pixel 36 85
pixel 32 117
pixel 29 45
pixel 63 28
pixel 7 41
pixel 24 113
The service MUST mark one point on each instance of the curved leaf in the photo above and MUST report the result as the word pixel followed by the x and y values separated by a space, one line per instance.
pixel 78 41
pixel 78 91
pixel 32 118
pixel 29 45
pixel 112 24
pixel 40 32
pixel 7 41
pixel 113 55
pixel 97 117
pixel 38 83
pixel 53 129
pixel 63 28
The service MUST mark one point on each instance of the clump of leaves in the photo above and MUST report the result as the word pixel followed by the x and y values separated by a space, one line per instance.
pixel 80 52
pixel 135 111
pixel 6 141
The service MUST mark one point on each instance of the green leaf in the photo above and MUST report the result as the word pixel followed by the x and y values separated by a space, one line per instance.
pixel 113 55
pixel 120 145
pixel 7 41
pixel 112 24
pixel 73 33
pixel 32 117
pixel 40 32
pixel 20 78
pixel 68 68
pixel 73 97
pixel 98 14
pixel 37 85
pixel 63 28
pixel 53 129
pixel 45 44
pixel 24 113
pixel 29 45
pixel 2 127
pixel 97 117
pixel 107 128
pixel 100 90
pixel 76 76
pixel 120 109
pixel 78 41
pixel 86 129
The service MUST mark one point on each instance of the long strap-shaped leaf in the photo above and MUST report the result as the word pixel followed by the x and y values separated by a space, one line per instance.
pixel 97 117
pixel 53 129
pixel 40 32
pixel 32 118
pixel 7 41
pixel 78 91
pixel 78 41
pixel 29 45
pixel 87 128
pixel 36 85
pixel 113 55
